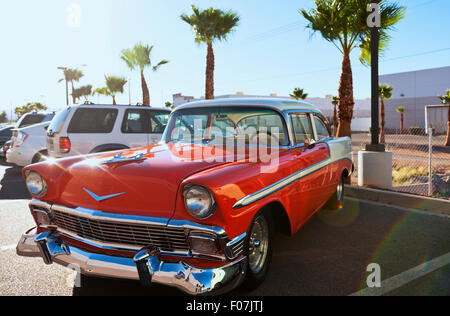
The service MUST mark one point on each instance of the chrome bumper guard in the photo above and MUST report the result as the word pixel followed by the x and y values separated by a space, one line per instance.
pixel 146 266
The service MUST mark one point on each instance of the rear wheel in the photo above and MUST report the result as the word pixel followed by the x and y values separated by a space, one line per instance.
pixel 40 156
pixel 258 250
pixel 337 200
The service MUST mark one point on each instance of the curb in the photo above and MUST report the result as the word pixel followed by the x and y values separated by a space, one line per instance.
pixel 400 199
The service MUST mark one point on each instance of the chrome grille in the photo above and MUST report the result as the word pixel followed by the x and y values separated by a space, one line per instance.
pixel 139 235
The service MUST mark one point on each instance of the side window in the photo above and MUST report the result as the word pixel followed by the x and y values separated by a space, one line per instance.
pixel 135 122
pixel 92 121
pixel 158 122
pixel 302 128
pixel 321 128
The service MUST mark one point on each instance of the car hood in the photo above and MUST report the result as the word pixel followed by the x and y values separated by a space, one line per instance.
pixel 143 181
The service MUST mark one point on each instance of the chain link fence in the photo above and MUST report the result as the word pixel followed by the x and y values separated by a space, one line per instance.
pixel 412 158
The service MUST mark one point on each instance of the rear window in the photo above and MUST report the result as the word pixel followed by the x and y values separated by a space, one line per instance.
pixel 93 121
pixel 58 121
pixel 31 119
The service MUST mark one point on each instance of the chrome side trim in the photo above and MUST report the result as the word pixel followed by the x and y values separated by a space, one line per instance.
pixel 338 152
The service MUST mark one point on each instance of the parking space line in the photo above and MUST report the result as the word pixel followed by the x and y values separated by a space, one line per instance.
pixel 406 277
pixel 401 208
pixel 8 247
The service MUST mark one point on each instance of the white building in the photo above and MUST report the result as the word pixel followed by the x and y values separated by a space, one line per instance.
pixel 414 91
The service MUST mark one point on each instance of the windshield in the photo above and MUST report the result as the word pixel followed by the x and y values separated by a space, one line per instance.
pixel 238 125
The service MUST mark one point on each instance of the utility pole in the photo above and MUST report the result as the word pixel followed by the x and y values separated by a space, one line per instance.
pixel 374 162
pixel 375 99
pixel 67 84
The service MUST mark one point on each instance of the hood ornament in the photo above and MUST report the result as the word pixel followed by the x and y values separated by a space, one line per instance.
pixel 119 158
pixel 102 198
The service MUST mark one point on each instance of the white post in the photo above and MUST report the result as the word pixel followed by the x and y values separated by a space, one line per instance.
pixel 430 166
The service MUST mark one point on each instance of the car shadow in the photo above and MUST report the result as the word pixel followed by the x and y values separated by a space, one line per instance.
pixel 91 286
pixel 12 184
pixel 291 256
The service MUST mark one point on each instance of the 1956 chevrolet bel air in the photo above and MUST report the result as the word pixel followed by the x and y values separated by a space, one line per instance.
pixel 197 211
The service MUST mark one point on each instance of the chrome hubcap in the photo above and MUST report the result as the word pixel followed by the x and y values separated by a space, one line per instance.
pixel 258 245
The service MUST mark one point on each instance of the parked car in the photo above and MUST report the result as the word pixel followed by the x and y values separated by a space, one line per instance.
pixel 5 134
pixel 4 149
pixel 178 213
pixel 28 145
pixel 84 129
pixel 34 118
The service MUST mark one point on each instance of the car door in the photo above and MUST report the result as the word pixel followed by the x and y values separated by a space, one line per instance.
pixel 306 156
pixel 322 136
pixel 135 127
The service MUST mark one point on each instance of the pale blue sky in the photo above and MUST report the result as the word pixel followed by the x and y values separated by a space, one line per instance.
pixel 270 51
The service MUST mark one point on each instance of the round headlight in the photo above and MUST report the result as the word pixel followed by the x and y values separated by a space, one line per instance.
pixel 199 201
pixel 35 184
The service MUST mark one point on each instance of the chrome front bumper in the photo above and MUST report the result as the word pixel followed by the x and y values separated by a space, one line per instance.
pixel 146 266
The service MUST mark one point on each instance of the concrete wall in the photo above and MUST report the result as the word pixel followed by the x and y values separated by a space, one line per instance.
pixel 414 114
pixel 420 83
pixel 414 90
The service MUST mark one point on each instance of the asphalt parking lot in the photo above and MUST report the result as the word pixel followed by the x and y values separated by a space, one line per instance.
pixel 329 256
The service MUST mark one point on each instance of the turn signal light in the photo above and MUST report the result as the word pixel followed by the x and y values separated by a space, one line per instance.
pixel 64 144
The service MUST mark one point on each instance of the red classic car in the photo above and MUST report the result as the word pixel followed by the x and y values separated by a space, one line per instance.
pixel 197 211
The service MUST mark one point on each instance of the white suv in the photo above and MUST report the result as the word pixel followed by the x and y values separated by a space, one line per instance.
pixel 85 129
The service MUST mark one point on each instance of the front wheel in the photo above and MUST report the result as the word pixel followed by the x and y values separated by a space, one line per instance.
pixel 336 202
pixel 258 250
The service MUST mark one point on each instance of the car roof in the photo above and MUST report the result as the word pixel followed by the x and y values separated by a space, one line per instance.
pixel 274 103
pixel 33 126
pixel 121 105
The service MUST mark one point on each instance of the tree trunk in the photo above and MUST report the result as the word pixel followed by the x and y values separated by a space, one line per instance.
pixel 346 100
pixel 401 123
pixel 447 142
pixel 209 90
pixel 145 92
pixel 114 100
pixel 383 122
pixel 74 100
pixel 335 122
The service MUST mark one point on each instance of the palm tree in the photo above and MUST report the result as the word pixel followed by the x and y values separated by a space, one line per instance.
pixel 335 103
pixel 446 100
pixel 114 85
pixel 298 94
pixel 344 24
pixel 71 75
pixel 139 57
pixel 385 93
pixel 169 105
pixel 84 91
pixel 210 25
pixel 401 110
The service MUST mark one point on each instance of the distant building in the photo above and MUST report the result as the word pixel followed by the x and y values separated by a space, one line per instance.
pixel 414 91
